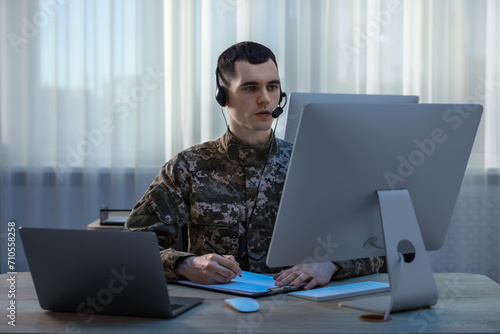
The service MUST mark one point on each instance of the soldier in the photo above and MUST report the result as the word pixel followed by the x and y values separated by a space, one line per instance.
pixel 228 191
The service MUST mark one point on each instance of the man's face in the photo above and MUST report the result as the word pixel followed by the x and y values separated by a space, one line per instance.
pixel 253 95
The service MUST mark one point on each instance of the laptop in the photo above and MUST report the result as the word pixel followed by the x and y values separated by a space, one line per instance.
pixel 100 272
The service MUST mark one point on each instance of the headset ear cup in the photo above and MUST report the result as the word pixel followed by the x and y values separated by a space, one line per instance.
pixel 220 94
pixel 282 95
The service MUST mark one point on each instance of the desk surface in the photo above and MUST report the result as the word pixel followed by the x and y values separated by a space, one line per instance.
pixel 468 303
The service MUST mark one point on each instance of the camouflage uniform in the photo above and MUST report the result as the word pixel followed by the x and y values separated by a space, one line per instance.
pixel 212 187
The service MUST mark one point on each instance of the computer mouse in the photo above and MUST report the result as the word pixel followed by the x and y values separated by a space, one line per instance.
pixel 243 304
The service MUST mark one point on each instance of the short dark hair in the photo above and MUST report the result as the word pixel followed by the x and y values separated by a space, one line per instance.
pixel 252 52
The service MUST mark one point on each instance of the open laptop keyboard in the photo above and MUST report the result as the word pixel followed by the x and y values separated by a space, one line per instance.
pixel 342 291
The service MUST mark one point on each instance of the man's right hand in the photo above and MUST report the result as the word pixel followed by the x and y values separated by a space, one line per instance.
pixel 209 268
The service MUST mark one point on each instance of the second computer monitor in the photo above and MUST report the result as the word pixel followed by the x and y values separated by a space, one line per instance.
pixel 345 153
pixel 299 100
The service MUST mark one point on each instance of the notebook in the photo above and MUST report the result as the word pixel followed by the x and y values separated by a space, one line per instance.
pixel 249 284
pixel 100 272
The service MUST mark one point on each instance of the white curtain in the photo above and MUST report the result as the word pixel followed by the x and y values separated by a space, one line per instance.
pixel 96 95
pixel 82 109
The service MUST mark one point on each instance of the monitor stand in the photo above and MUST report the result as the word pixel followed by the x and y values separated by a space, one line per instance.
pixel 412 281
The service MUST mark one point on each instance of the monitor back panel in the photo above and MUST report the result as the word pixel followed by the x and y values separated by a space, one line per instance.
pixel 299 100
pixel 345 153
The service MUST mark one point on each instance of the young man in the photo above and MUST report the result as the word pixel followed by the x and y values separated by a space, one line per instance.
pixel 227 191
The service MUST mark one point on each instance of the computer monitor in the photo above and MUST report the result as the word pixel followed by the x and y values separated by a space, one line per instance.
pixel 299 100
pixel 347 158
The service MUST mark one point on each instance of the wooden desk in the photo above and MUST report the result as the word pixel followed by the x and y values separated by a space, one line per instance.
pixel 468 303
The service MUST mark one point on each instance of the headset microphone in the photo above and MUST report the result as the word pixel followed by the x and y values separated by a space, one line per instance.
pixel 279 110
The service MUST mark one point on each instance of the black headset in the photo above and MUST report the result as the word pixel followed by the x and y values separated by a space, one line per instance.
pixel 221 97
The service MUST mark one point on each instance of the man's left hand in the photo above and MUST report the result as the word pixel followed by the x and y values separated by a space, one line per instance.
pixel 309 274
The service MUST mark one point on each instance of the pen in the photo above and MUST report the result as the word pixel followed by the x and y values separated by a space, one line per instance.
pixel 209 244
pixel 285 289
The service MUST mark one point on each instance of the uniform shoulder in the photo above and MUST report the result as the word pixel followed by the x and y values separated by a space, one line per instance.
pixel 284 145
pixel 201 152
pixel 203 149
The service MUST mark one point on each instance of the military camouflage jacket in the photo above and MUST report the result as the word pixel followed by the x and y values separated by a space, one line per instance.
pixel 225 191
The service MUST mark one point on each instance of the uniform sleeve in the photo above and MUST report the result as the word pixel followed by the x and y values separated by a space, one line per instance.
pixel 358 267
pixel 162 211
